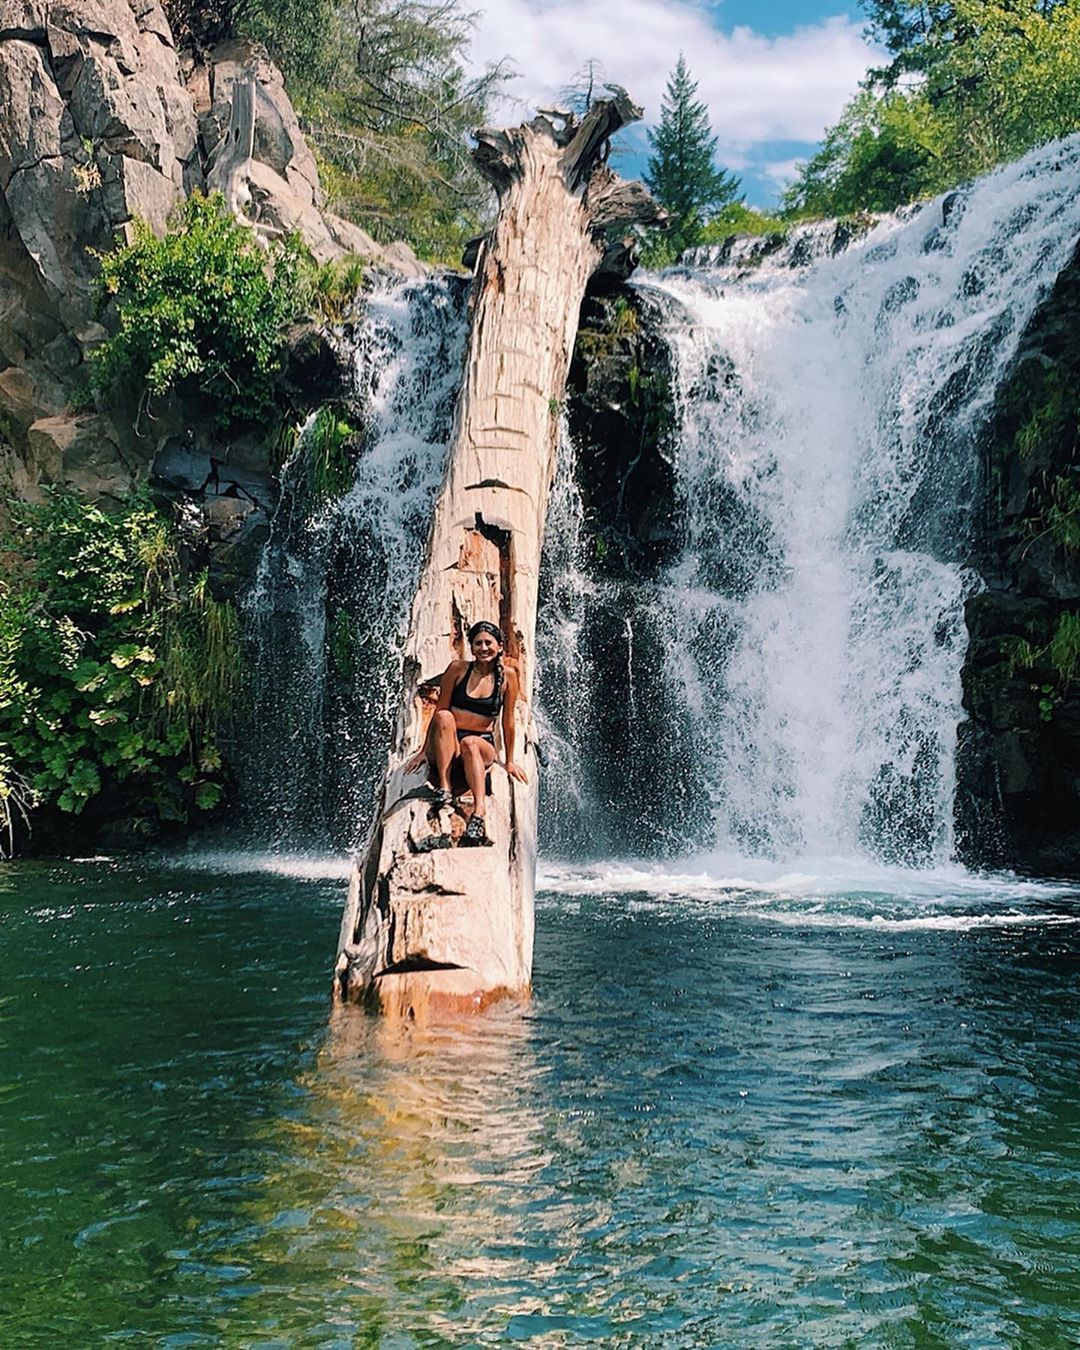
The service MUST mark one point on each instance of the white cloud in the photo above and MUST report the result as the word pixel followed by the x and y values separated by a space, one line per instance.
pixel 783 171
pixel 756 88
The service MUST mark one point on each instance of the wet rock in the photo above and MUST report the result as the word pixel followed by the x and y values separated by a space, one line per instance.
pixel 316 370
pixel 619 400
pixel 181 468
pixel 1018 788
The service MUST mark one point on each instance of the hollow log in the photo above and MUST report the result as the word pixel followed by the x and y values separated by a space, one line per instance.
pixel 431 928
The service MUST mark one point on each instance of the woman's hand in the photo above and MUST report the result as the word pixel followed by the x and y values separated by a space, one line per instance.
pixel 414 761
pixel 516 771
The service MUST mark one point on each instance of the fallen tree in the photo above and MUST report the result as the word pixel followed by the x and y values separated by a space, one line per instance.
pixel 430 927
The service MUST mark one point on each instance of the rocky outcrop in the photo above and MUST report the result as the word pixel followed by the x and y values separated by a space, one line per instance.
pixel 283 193
pixel 1018 798
pixel 97 128
pixel 620 416
pixel 104 121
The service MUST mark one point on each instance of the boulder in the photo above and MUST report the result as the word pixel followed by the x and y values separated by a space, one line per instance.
pixel 279 142
pixel 283 194
pixel 26 395
pixel 80 453
pixel 97 128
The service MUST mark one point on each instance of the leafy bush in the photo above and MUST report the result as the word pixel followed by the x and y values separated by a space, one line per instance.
pixel 332 287
pixel 114 676
pixel 738 218
pixel 202 309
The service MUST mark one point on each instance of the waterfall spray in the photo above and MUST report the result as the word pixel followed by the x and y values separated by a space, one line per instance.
pixel 830 421
pixel 325 617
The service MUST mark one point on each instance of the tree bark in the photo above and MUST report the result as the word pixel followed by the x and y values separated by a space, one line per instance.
pixel 430 927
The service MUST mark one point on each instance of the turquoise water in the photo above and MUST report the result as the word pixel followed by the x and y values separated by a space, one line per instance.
pixel 743 1109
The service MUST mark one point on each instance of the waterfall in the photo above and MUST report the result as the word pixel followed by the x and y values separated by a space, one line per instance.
pixel 829 446
pixel 790 686
pixel 327 611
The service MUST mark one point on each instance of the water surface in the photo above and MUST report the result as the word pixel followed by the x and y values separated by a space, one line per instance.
pixel 748 1107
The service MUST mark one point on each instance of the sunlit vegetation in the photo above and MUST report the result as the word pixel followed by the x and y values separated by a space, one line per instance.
pixel 386 101
pixel 201 310
pixel 117 674
pixel 970 84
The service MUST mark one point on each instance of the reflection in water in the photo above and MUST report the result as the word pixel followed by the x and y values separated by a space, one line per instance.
pixel 416 1146
pixel 803 1108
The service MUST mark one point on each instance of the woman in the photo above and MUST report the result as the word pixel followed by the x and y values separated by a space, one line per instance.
pixel 471 696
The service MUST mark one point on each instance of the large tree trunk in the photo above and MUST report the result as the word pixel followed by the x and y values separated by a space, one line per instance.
pixel 428 926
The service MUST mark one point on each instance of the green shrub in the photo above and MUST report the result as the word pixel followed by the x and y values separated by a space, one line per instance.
pixel 738 218
pixel 202 309
pixel 1064 649
pixel 115 675
pixel 1056 513
pixel 1059 656
pixel 333 286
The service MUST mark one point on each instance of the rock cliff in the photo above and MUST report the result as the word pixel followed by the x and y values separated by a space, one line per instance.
pixel 105 121
pixel 1018 800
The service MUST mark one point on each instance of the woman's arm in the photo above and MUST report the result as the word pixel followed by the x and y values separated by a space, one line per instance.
pixel 450 676
pixel 509 729
pixel 447 680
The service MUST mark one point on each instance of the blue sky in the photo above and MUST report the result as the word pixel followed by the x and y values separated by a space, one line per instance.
pixel 773 74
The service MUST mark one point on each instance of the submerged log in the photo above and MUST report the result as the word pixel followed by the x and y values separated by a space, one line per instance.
pixel 430 927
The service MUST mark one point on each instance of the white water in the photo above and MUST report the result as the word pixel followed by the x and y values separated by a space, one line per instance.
pixel 829 453
pixel 328 610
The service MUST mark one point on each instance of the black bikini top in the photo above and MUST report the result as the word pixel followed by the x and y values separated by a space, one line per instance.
pixel 482 707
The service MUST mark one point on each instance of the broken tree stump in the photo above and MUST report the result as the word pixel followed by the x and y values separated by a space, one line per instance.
pixel 429 927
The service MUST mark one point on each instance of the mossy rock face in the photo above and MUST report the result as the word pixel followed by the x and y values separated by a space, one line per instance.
pixel 1018 788
pixel 619 407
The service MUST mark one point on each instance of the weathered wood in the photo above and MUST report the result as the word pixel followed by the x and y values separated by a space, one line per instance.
pixel 229 174
pixel 430 928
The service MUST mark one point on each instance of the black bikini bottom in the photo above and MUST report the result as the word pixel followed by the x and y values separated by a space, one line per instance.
pixel 484 735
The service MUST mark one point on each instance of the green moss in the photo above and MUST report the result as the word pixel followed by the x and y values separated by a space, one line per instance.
pixel 342 644
pixel 1045 413
pixel 1056 661
pixel 619 321
pixel 1055 513
pixel 328 456
pixel 1064 648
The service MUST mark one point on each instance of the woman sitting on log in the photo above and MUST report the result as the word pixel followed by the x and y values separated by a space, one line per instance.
pixel 471 696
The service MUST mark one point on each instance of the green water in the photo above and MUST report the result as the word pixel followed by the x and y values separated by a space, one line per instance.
pixel 736 1113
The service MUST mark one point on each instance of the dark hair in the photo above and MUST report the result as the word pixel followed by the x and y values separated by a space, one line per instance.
pixel 484 627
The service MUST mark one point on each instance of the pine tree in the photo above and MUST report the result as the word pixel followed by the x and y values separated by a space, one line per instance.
pixel 682 174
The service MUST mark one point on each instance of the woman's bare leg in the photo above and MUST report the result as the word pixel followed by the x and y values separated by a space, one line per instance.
pixel 442 744
pixel 476 756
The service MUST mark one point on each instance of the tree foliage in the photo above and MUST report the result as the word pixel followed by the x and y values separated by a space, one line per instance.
pixel 202 308
pixel 682 173
pixel 116 676
pixel 971 84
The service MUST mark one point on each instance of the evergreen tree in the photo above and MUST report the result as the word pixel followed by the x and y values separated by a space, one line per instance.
pixel 682 174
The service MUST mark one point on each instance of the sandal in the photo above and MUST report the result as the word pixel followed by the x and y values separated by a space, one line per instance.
pixel 439 796
pixel 475 835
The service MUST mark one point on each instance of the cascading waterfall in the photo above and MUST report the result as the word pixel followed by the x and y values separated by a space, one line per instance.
pixel 791 685
pixel 326 614
pixel 829 457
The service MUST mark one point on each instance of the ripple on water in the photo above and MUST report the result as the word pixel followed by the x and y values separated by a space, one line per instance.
pixel 738 1112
